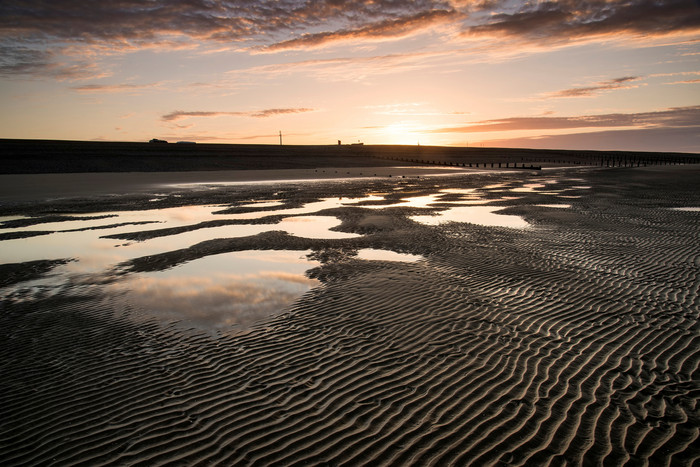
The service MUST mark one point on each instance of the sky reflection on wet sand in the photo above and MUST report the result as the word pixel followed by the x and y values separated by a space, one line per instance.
pixel 231 291
pixel 220 293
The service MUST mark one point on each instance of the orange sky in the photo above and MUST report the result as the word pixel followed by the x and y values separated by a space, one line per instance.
pixel 594 74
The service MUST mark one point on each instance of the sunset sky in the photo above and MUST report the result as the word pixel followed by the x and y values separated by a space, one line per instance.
pixel 597 74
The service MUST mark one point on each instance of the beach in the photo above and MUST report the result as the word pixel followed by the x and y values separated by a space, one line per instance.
pixel 352 315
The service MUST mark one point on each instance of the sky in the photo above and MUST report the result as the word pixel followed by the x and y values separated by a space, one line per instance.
pixel 571 74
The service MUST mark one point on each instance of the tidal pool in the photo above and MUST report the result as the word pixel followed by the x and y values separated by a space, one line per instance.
pixel 688 209
pixel 481 215
pixel 372 254
pixel 221 293
pixel 224 292
pixel 92 252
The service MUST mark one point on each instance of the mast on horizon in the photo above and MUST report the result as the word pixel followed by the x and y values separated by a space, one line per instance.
pixel 280 137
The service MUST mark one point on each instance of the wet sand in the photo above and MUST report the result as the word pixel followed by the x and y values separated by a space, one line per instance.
pixel 25 188
pixel 574 340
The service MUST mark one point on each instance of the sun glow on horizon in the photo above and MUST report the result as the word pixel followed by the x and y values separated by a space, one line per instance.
pixel 404 133
pixel 381 72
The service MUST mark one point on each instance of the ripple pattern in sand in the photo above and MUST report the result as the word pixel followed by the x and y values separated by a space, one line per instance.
pixel 571 343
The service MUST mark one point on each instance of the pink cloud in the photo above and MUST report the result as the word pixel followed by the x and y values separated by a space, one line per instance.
pixel 265 113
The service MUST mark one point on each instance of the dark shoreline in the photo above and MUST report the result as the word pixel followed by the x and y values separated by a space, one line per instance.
pixel 53 156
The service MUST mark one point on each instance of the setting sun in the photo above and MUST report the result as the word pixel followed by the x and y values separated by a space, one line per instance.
pixel 407 133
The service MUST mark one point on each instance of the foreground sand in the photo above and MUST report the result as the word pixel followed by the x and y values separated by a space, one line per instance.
pixel 574 341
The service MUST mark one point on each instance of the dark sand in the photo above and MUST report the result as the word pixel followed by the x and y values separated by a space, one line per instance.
pixel 574 341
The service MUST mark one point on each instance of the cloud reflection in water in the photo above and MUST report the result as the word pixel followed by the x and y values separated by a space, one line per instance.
pixel 221 293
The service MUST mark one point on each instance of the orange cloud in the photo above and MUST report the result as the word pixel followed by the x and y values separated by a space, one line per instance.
pixel 587 91
pixel 386 29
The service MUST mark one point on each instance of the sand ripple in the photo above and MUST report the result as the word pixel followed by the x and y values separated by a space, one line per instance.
pixel 574 342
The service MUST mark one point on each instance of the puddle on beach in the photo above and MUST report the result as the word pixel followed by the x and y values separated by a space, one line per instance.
pixel 262 204
pixel 93 252
pixel 231 290
pixel 371 254
pixel 687 209
pixel 220 293
pixel 528 188
pixel 482 215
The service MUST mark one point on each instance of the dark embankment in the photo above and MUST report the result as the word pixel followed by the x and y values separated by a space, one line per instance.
pixel 45 156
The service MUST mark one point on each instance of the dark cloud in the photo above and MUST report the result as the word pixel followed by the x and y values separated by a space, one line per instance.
pixel 22 60
pixel 674 117
pixel 29 60
pixel 573 19
pixel 179 114
pixel 617 83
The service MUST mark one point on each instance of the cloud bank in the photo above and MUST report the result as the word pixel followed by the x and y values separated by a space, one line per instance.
pixel 568 20
pixel 674 118
pixel 644 139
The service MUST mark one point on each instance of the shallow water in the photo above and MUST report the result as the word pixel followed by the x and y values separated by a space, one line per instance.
pixel 688 209
pixel 371 254
pixel 94 252
pixel 220 293
pixel 229 290
pixel 482 215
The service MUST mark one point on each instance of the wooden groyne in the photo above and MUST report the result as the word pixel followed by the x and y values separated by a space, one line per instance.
pixel 523 159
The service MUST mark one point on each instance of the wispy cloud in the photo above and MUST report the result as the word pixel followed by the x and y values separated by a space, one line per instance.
pixel 179 114
pixel 674 117
pixel 20 59
pixel 344 68
pixel 113 88
pixel 386 29
pixel 686 81
pixel 408 109
pixel 602 86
